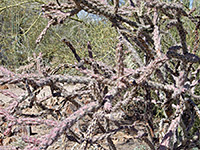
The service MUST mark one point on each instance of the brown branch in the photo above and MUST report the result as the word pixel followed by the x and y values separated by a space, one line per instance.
pixel 72 49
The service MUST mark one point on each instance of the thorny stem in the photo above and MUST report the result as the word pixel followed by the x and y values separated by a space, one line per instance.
pixel 115 89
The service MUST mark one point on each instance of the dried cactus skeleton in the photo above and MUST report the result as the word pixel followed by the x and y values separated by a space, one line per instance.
pixel 170 74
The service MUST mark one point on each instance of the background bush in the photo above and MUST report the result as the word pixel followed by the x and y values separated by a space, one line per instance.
pixel 22 22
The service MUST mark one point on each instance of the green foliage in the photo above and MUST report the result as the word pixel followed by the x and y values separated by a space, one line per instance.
pixel 22 22
pixel 196 4
pixel 100 34
pixel 16 18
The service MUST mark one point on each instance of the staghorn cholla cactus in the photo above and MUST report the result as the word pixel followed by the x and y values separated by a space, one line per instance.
pixel 165 77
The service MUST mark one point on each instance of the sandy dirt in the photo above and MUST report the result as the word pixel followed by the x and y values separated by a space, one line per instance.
pixel 122 140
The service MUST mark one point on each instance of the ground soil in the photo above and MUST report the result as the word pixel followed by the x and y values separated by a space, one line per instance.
pixel 122 140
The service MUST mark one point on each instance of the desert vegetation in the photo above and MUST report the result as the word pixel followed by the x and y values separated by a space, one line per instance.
pixel 88 72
